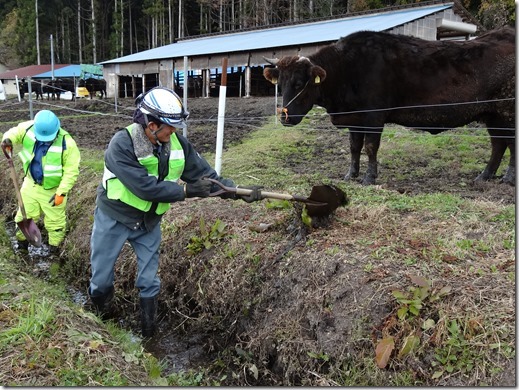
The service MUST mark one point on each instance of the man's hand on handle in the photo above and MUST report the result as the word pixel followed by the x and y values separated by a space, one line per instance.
pixel 200 188
pixel 254 196
pixel 7 146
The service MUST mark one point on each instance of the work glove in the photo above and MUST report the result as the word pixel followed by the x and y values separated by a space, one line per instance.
pixel 56 199
pixel 201 188
pixel 254 196
pixel 7 146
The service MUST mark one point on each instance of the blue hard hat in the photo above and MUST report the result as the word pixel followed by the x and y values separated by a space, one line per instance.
pixel 46 125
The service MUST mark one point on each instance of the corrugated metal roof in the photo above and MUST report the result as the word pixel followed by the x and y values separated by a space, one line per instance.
pixel 307 33
pixel 66 71
pixel 29 71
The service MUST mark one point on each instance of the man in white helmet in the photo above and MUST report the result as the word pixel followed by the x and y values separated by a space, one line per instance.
pixel 50 159
pixel 143 164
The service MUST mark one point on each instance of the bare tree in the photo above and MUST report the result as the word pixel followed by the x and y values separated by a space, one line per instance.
pixel 170 19
pixel 79 38
pixel 94 33
pixel 37 34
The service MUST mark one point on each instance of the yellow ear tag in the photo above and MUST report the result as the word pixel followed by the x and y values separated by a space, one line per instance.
pixel 317 80
pixel 274 80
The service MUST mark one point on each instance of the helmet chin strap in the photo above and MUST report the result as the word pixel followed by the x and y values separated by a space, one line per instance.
pixel 154 133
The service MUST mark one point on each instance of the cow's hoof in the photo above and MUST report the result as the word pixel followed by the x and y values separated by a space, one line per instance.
pixel 368 181
pixel 508 180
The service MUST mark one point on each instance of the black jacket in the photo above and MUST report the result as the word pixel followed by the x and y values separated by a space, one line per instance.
pixel 121 160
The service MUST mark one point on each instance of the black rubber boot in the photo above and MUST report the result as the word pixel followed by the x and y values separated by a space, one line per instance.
pixel 148 316
pixel 103 304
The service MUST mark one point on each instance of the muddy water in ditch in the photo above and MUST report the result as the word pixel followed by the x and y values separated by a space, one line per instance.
pixel 178 353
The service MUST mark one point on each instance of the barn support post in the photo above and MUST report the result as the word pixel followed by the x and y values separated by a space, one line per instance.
pixel 240 87
pixel 221 118
pixel 134 86
pixel 116 79
pixel 207 82
pixel 143 83
pixel 247 81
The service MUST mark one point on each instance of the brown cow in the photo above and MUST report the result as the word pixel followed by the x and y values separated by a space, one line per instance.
pixel 368 79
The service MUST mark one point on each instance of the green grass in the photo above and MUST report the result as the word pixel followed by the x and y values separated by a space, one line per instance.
pixel 41 329
pixel 259 158
pixel 461 150
pixel 92 159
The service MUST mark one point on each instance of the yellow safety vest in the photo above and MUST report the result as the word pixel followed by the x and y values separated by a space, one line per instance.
pixel 116 190
pixel 52 162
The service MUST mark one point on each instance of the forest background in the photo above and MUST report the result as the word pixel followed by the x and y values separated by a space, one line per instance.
pixel 92 31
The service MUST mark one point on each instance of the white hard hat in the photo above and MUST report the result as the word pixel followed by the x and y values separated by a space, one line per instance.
pixel 164 105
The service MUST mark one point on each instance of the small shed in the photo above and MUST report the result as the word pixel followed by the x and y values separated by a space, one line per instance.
pixel 8 78
pixel 65 72
pixel 201 58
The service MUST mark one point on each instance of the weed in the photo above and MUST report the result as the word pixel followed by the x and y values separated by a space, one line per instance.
pixel 458 354
pixel 207 237
pixel 413 301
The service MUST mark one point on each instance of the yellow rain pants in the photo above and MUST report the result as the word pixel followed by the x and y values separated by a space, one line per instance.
pixel 36 202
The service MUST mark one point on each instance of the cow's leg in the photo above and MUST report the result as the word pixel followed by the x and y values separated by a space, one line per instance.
pixel 498 150
pixel 509 177
pixel 371 145
pixel 356 144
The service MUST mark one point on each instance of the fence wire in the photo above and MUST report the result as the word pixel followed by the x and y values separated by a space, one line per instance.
pixel 320 121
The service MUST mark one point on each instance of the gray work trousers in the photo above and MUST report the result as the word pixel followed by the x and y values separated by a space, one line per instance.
pixel 106 242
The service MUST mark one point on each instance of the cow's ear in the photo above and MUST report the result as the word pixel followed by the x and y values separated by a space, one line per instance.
pixel 271 74
pixel 318 74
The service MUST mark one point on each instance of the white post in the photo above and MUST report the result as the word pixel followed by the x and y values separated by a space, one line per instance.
pixel 221 118
pixel 276 103
pixel 29 92
pixel 18 88
pixel 184 131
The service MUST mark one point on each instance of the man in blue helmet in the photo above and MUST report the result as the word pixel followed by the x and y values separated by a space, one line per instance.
pixel 143 164
pixel 50 159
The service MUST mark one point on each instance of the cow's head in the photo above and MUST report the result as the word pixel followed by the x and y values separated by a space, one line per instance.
pixel 299 80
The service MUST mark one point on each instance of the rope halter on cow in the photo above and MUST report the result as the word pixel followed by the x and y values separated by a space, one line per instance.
pixel 285 109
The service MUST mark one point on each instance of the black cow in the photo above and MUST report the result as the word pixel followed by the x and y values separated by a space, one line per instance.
pixel 94 85
pixel 58 86
pixel 36 87
pixel 368 79
pixel 68 84
pixel 52 88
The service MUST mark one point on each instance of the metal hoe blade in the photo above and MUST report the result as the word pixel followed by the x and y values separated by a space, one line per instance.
pixel 26 226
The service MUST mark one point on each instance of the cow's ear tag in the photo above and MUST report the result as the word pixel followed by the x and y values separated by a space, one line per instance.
pixel 317 80
pixel 274 80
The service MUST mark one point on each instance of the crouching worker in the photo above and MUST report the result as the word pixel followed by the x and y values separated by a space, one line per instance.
pixel 50 159
pixel 143 163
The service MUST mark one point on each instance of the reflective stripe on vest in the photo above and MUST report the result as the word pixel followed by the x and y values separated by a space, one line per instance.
pixel 51 162
pixel 116 190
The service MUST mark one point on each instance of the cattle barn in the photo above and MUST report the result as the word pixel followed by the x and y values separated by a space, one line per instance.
pixel 201 58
